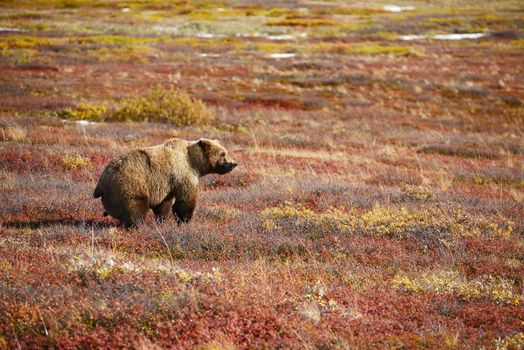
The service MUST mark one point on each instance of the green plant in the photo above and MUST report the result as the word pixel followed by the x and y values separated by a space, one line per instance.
pixel 23 41
pixel 85 111
pixel 451 282
pixel 163 105
pixel 386 221
pixel 74 162
pixel 417 192
pixel 364 48
pixel 303 22
pixel 18 56
pixel 510 342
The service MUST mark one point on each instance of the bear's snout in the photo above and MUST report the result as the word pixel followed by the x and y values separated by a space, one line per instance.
pixel 226 167
pixel 230 166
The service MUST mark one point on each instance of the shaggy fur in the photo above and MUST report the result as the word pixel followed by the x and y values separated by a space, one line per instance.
pixel 162 178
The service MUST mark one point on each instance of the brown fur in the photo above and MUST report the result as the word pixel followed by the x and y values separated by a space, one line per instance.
pixel 162 178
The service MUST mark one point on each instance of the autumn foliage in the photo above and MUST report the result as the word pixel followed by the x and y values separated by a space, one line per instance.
pixel 378 201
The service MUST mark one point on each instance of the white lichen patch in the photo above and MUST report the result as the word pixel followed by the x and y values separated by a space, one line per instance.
pixel 412 37
pixel 104 263
pixel 283 55
pixel 396 8
pixel 281 37
pixel 210 36
pixel 12 29
pixel 85 122
pixel 460 36
pixel 211 55
pixel 455 36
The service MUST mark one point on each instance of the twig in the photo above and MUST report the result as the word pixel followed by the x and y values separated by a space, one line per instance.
pixel 165 243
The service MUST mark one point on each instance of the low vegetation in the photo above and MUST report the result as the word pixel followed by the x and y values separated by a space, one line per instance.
pixel 386 221
pixel 165 106
pixel 377 204
pixel 162 105
pixel 450 282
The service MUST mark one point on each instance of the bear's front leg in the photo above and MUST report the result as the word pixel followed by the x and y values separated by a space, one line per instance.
pixel 183 208
pixel 162 210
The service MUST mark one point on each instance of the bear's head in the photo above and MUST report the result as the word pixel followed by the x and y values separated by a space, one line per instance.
pixel 212 157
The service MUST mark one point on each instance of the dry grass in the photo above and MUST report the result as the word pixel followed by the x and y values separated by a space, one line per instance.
pixel 12 132
pixel 378 197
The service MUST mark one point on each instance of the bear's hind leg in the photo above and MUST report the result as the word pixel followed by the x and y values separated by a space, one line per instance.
pixel 135 212
pixel 183 209
pixel 162 210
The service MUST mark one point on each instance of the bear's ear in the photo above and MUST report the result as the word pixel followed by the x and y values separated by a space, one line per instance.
pixel 203 144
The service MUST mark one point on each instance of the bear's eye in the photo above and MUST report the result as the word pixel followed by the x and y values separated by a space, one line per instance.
pixel 223 154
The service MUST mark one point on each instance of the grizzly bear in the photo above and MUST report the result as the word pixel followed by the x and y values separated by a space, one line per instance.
pixel 162 178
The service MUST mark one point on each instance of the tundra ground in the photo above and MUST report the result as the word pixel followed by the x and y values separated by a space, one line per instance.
pixel 378 202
